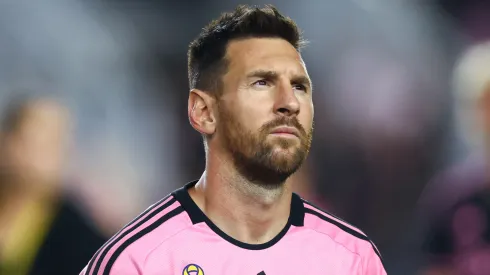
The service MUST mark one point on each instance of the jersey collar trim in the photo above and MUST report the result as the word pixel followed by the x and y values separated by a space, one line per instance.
pixel 296 217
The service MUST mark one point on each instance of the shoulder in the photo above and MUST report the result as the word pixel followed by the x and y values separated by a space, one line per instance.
pixel 68 221
pixel 127 249
pixel 339 231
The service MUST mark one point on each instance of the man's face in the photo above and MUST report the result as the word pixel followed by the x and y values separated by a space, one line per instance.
pixel 265 112
pixel 36 150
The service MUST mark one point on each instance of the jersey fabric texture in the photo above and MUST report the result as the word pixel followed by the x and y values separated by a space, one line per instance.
pixel 174 236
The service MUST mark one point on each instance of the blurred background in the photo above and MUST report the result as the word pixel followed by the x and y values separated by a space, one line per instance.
pixel 93 100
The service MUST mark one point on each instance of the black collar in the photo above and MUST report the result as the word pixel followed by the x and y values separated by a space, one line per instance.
pixel 296 217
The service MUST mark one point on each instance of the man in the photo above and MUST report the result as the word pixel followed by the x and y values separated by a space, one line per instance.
pixel 251 99
pixel 37 220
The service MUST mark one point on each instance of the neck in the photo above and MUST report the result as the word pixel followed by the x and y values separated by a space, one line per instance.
pixel 250 212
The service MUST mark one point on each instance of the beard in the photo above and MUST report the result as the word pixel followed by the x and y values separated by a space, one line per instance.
pixel 258 157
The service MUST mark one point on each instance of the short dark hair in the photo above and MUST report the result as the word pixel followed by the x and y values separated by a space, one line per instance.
pixel 206 55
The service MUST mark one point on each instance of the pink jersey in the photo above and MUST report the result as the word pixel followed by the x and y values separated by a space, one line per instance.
pixel 175 237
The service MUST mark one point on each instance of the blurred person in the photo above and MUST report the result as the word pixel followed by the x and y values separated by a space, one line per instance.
pixel 457 203
pixel 251 100
pixel 37 221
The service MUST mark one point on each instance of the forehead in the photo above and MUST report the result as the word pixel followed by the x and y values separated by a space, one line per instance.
pixel 259 53
pixel 44 114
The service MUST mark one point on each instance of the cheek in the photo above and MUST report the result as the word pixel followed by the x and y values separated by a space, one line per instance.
pixel 306 115
pixel 252 114
pixel 232 120
pixel 247 123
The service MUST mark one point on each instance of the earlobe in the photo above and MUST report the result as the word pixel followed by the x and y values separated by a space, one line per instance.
pixel 199 109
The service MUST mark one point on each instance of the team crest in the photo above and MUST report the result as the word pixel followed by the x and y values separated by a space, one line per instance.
pixel 193 269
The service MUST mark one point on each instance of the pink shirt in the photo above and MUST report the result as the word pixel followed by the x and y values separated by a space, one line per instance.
pixel 175 237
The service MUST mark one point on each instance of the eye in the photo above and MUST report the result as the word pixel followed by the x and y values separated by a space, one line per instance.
pixel 261 82
pixel 300 87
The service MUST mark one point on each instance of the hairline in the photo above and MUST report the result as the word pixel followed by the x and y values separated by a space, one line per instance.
pixel 222 65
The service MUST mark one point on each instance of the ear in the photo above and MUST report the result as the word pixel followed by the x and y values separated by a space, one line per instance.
pixel 200 112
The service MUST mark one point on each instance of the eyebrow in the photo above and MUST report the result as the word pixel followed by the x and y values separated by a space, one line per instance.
pixel 296 79
pixel 263 74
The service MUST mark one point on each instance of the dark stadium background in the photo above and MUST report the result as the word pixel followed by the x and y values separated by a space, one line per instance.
pixel 385 127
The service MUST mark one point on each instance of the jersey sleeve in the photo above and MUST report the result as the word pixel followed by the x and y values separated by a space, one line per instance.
pixel 373 265
pixel 124 264
pixel 84 270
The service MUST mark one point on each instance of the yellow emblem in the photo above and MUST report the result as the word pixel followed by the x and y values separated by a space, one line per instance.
pixel 193 269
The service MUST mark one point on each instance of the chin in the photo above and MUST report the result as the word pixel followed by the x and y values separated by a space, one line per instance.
pixel 283 155
pixel 287 164
pixel 284 150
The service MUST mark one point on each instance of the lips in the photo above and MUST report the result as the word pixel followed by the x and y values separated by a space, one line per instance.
pixel 284 130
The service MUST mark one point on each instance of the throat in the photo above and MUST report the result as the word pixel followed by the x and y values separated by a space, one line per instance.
pixel 246 212
pixel 246 228
pixel 257 220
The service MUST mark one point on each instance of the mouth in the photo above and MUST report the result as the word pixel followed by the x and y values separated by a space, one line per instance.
pixel 285 131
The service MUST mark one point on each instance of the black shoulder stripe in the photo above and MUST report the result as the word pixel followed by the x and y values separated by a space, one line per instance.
pixel 336 223
pixel 132 226
pixel 344 228
pixel 92 261
pixel 321 210
pixel 140 234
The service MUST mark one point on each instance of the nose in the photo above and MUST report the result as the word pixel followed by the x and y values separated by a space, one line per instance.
pixel 287 103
